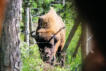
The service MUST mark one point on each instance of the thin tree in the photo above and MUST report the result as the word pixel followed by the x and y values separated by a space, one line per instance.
pixel 68 41
pixel 71 34
pixel 27 10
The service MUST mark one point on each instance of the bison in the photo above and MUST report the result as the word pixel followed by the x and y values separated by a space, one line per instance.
pixel 50 36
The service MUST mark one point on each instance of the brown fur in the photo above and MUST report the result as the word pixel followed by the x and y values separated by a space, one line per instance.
pixel 50 24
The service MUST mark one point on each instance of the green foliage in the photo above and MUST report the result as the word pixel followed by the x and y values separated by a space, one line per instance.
pixel 30 58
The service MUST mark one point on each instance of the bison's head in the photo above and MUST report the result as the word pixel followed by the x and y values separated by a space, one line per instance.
pixel 46 48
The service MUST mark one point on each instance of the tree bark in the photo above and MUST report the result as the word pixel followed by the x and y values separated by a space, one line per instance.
pixel 83 41
pixel 9 43
pixel 87 41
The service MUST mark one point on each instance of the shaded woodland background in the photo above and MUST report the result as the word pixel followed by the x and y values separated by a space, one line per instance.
pixel 85 39
pixel 19 50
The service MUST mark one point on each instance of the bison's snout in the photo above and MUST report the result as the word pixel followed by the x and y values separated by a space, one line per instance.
pixel 48 56
pixel 47 53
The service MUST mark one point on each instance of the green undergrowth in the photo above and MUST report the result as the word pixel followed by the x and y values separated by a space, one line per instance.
pixel 31 60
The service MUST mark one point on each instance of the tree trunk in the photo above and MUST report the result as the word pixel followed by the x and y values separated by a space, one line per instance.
pixel 63 2
pixel 83 41
pixel 71 34
pixel 32 41
pixel 87 41
pixel 9 43
pixel 27 9
pixel 30 20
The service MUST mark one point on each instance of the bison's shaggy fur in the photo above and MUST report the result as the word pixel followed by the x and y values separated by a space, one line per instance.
pixel 50 36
